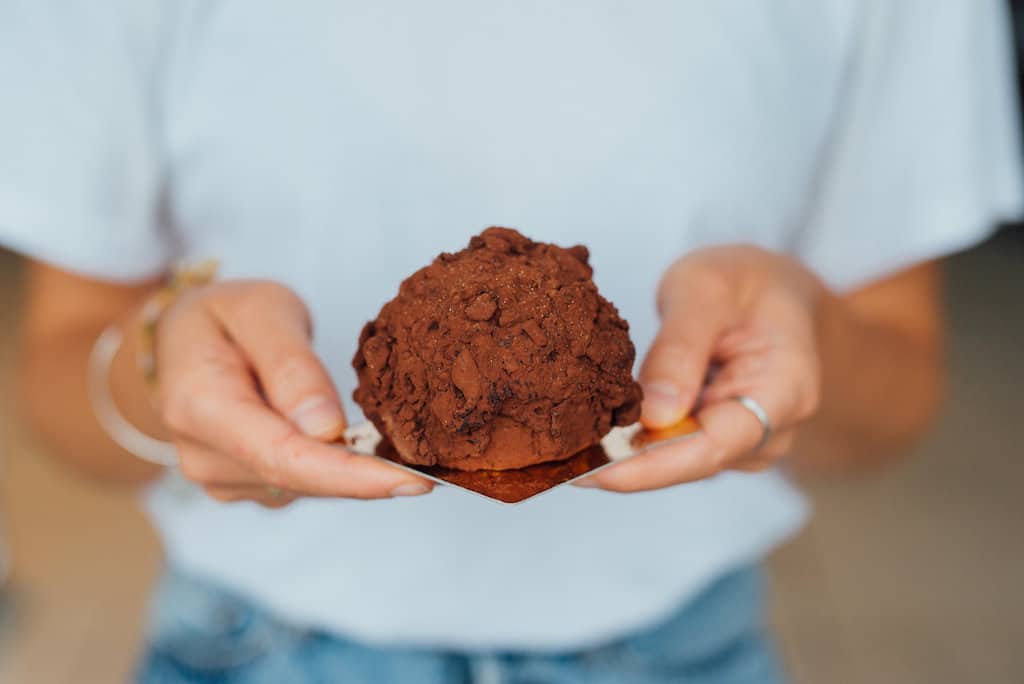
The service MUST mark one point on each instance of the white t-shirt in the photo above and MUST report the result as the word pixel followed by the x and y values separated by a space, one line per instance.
pixel 338 146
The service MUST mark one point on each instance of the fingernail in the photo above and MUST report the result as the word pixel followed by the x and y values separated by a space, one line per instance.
pixel 410 489
pixel 588 483
pixel 319 417
pixel 663 403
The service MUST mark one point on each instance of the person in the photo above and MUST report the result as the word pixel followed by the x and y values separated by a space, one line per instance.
pixel 779 178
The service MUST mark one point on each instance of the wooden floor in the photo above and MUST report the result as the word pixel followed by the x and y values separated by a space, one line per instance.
pixel 914 577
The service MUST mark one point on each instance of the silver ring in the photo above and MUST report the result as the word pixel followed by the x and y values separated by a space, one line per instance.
pixel 762 417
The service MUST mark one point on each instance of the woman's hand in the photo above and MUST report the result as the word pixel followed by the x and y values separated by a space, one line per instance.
pixel 752 315
pixel 251 408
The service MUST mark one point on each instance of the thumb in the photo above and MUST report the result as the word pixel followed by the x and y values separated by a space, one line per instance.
pixel 672 374
pixel 271 326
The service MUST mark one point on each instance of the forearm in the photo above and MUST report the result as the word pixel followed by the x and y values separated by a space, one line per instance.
pixel 56 404
pixel 881 386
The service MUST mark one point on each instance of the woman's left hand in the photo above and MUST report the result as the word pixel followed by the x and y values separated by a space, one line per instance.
pixel 752 315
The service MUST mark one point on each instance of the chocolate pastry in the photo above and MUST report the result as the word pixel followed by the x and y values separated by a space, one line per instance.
pixel 500 356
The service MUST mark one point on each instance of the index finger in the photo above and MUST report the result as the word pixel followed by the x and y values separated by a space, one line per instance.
pixel 271 326
pixel 287 459
pixel 728 431
pixel 673 372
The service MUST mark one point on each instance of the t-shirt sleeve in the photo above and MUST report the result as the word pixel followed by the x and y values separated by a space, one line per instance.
pixel 925 158
pixel 80 170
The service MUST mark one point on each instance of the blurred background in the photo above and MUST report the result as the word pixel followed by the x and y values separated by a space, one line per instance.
pixel 909 576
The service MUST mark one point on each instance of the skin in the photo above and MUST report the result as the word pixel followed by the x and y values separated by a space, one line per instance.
pixel 847 381
pixel 252 410
pixel 241 393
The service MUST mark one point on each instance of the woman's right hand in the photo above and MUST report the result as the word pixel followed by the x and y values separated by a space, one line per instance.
pixel 251 408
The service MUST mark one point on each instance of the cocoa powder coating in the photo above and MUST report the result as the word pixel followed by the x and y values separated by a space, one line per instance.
pixel 500 356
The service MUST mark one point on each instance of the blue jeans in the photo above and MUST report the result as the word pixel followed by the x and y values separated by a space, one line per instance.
pixel 200 633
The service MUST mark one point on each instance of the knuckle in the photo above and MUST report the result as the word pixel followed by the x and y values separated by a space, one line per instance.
pixel 276 503
pixel 267 472
pixel 222 495
pixel 256 296
pixel 720 460
pixel 273 475
pixel 810 401
pixel 272 468
pixel 239 446
pixel 185 405
pixel 192 466
pixel 718 455
pixel 715 284
pixel 715 449
pixel 693 274
pixel 274 290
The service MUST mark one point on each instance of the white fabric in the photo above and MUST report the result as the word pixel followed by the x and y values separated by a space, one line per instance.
pixel 337 146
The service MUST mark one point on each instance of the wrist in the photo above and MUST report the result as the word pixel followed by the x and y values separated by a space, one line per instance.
pixel 122 372
pixel 130 389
